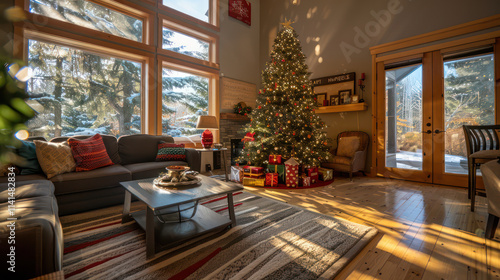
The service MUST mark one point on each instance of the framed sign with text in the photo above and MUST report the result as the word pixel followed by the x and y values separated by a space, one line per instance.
pixel 336 87
pixel 241 10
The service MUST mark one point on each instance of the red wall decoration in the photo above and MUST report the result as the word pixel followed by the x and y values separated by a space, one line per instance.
pixel 241 10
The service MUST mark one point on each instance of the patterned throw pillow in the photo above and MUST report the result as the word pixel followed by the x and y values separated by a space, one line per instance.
pixel 171 151
pixel 54 158
pixel 90 153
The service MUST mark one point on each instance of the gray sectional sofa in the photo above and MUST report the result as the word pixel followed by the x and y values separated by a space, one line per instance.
pixel 37 238
pixel 133 157
pixel 40 201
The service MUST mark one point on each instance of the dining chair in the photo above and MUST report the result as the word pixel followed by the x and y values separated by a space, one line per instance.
pixel 483 145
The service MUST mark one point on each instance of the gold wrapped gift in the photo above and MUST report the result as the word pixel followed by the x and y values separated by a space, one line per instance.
pixel 253 182
pixel 325 174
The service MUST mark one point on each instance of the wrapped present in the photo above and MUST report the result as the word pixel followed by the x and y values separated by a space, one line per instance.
pixel 272 179
pixel 325 174
pixel 313 173
pixel 274 159
pixel 292 173
pixel 305 181
pixel 253 171
pixel 254 182
pixel 280 169
pixel 237 174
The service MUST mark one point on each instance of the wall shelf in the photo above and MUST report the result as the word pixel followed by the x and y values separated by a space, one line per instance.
pixel 342 108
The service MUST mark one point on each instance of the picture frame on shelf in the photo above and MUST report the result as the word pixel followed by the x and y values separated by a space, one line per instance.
pixel 320 97
pixel 334 100
pixel 345 96
pixel 354 99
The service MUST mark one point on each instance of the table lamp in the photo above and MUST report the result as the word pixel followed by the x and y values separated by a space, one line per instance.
pixel 207 122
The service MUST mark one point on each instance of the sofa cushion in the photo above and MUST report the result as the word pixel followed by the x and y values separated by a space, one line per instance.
pixel 39 236
pixel 341 160
pixel 54 158
pixel 110 142
pixel 30 164
pixel 22 178
pixel 28 189
pixel 90 153
pixel 139 148
pixel 150 169
pixel 106 177
pixel 171 152
pixel 348 146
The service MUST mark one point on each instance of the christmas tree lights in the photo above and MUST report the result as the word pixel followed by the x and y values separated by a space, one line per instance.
pixel 284 121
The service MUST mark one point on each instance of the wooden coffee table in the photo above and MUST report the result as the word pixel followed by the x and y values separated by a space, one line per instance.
pixel 161 234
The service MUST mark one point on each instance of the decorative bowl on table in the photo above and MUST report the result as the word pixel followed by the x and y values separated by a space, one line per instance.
pixel 177 168
pixel 218 146
pixel 177 176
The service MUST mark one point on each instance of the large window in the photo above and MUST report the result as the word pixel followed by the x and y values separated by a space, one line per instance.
pixel 469 98
pixel 198 9
pixel 183 44
pixel 94 72
pixel 80 93
pixel 90 15
pixel 184 98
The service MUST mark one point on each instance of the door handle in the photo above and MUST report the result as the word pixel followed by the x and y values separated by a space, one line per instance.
pixel 428 131
pixel 439 131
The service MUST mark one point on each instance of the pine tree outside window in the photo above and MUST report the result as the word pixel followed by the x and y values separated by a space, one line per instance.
pixel 79 93
pixel 184 98
pixel 90 15
pixel 80 87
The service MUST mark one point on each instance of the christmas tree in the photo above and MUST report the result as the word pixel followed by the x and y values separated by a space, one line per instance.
pixel 284 122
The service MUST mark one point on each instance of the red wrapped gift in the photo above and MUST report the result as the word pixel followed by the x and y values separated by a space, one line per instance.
pixel 272 179
pixel 292 173
pixel 305 181
pixel 274 159
pixel 313 173
pixel 253 171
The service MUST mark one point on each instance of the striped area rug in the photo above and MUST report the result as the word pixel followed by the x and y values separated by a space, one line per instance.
pixel 273 240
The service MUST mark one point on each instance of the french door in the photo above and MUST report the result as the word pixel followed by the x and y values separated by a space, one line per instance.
pixel 422 103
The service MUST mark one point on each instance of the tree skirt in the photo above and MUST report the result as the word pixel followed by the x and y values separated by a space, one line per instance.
pixel 272 240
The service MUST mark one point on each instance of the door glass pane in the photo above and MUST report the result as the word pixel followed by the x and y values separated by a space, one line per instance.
pixel 75 92
pixel 180 43
pixel 185 97
pixel 195 8
pixel 403 121
pixel 90 15
pixel 469 98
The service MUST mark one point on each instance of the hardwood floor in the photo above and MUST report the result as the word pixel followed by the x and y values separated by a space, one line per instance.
pixel 425 231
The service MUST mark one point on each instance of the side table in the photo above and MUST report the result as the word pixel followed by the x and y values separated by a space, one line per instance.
pixel 223 152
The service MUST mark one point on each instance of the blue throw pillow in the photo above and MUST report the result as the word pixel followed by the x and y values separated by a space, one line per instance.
pixel 30 165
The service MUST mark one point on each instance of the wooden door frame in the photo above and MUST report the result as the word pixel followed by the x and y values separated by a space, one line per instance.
pixel 423 175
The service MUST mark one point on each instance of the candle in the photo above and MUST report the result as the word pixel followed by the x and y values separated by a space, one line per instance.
pixel 325 102
pixel 360 82
pixel 362 76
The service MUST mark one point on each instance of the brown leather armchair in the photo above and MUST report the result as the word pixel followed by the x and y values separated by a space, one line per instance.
pixel 350 154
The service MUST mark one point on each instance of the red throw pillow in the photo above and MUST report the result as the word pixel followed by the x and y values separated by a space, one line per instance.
pixel 171 151
pixel 89 153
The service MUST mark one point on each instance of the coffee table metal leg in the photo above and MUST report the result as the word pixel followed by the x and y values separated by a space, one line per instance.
pixel 230 205
pixel 126 207
pixel 150 233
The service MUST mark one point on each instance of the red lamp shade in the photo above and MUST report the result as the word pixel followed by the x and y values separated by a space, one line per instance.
pixel 207 139
pixel 207 122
